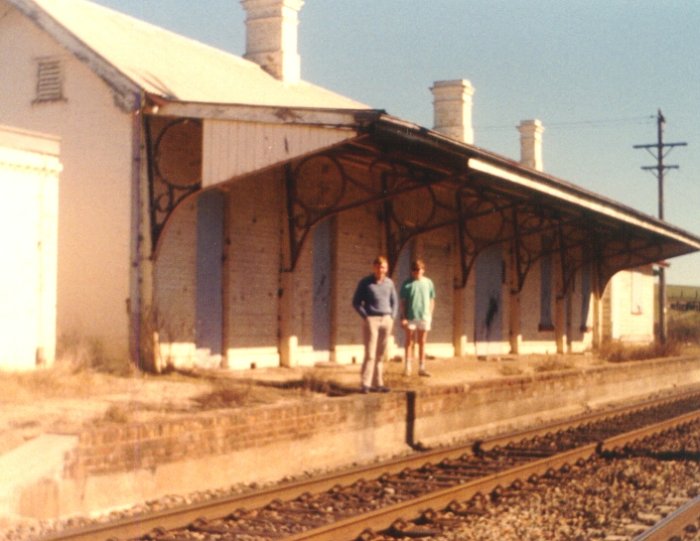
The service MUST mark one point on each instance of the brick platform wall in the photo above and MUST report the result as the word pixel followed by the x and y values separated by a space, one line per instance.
pixel 447 413
pixel 125 464
pixel 147 446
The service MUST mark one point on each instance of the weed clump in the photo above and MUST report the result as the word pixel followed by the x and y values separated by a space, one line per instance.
pixel 225 397
pixel 616 352
pixel 117 413
pixel 684 327
pixel 89 354
pixel 553 364
pixel 510 370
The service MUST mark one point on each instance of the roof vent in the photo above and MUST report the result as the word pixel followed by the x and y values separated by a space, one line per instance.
pixel 271 37
pixel 452 102
pixel 49 80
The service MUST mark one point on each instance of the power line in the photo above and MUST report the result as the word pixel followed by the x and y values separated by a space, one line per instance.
pixel 596 123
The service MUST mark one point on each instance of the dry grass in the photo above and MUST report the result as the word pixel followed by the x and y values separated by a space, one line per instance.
pixel 684 327
pixel 691 349
pixel 616 352
pixel 59 381
pixel 225 397
pixel 510 370
pixel 552 364
pixel 84 353
pixel 117 413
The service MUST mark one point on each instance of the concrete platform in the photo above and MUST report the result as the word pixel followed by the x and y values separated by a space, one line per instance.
pixel 118 464
pixel 443 371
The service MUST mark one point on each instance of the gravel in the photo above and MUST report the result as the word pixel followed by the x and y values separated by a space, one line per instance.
pixel 607 500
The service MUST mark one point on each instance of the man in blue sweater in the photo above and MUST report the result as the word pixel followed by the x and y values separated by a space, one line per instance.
pixel 376 301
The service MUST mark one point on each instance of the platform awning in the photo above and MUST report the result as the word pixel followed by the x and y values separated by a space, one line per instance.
pixel 424 181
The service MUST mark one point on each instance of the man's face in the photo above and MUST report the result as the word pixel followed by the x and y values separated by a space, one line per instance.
pixel 380 270
pixel 417 272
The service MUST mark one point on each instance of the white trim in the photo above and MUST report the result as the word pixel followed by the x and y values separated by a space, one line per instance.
pixel 596 206
pixel 262 114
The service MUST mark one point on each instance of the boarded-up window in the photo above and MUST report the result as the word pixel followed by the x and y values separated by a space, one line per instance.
pixel 49 83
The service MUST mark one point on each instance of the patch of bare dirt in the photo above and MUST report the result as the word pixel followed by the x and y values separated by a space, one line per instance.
pixel 64 400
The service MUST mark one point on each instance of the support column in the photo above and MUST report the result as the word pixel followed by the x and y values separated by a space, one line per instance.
pixel 597 310
pixel 597 322
pixel 459 338
pixel 559 308
pixel 289 341
pixel 569 320
pixel 459 303
pixel 333 299
pixel 514 323
pixel 288 337
pixel 145 320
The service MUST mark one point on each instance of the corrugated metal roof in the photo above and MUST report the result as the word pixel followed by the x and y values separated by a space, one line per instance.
pixel 170 65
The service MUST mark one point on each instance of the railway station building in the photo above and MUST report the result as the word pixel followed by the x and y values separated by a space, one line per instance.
pixel 218 211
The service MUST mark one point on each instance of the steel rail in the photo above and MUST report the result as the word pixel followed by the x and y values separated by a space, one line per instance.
pixel 673 524
pixel 614 442
pixel 181 516
pixel 504 439
pixel 381 519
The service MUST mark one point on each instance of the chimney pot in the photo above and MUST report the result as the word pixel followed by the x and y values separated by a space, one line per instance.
pixel 271 37
pixel 452 103
pixel 531 144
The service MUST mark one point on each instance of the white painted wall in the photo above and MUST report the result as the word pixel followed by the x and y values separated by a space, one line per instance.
pixel 94 194
pixel 632 305
pixel 29 171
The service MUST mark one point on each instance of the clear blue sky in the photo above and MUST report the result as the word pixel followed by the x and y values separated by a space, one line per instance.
pixel 593 71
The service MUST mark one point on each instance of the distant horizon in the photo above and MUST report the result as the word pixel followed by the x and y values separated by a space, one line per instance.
pixel 595 73
pixel 697 288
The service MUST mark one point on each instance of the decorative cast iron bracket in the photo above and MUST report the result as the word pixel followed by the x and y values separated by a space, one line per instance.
pixel 174 152
pixel 321 186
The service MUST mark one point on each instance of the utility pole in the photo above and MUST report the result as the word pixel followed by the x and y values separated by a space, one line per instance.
pixel 660 150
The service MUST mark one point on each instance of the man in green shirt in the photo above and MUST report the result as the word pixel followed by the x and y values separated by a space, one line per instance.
pixel 417 306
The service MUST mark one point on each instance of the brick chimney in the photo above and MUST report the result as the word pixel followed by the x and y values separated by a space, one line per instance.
pixel 452 106
pixel 271 37
pixel 531 144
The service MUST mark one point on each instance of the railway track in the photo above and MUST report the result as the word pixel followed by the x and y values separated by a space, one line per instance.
pixel 676 524
pixel 352 504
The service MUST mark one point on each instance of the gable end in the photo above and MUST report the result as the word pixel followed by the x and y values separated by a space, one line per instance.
pixel 125 90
